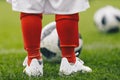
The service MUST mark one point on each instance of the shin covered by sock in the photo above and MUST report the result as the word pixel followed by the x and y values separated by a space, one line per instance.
pixel 67 28
pixel 31 29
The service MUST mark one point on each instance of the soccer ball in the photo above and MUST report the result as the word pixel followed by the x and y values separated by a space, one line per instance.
pixel 50 44
pixel 107 19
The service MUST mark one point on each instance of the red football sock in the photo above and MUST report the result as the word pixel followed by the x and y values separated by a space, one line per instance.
pixel 67 28
pixel 31 29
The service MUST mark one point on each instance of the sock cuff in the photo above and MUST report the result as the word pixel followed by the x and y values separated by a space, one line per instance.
pixel 67 17
pixel 29 14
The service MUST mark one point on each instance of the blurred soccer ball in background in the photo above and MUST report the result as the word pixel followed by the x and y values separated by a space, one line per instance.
pixel 50 44
pixel 107 19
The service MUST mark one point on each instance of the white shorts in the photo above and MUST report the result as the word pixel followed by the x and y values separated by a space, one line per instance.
pixel 49 6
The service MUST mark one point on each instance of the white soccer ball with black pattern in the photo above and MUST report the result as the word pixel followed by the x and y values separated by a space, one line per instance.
pixel 50 44
pixel 107 19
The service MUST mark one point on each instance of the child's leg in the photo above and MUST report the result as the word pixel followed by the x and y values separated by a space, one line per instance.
pixel 67 28
pixel 31 29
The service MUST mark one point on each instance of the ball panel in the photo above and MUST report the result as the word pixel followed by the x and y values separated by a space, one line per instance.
pixel 104 21
pixel 117 18
pixel 113 30
pixel 45 52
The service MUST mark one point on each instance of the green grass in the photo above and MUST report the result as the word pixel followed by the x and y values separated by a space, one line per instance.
pixel 100 51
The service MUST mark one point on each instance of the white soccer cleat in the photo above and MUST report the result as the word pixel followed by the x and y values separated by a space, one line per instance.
pixel 35 68
pixel 81 67
pixel 67 68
